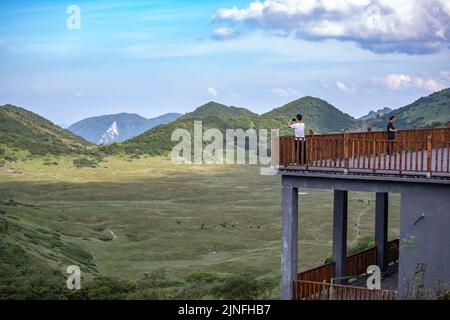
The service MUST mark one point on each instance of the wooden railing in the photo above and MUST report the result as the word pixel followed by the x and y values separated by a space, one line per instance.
pixel 413 152
pixel 311 290
pixel 356 264
pixel 322 273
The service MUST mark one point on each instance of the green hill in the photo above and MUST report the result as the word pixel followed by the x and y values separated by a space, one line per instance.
pixel 223 112
pixel 318 115
pixel 425 112
pixel 23 129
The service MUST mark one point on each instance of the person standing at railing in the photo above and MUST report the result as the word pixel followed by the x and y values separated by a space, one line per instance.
pixel 391 131
pixel 299 132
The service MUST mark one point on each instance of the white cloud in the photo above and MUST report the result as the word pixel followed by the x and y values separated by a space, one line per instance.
pixel 285 93
pixel 398 81
pixel 445 75
pixel 212 92
pixel 224 33
pixel 411 26
pixel 346 88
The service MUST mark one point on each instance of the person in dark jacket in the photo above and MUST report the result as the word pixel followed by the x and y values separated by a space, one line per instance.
pixel 391 131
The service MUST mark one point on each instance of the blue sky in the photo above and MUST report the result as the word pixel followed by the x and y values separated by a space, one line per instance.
pixel 152 57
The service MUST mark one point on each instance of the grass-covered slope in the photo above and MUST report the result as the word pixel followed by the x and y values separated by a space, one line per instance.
pixel 425 112
pixel 26 130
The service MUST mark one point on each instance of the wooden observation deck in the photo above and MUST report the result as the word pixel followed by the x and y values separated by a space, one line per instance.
pixel 416 152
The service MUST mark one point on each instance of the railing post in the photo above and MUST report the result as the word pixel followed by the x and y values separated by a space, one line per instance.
pixel 374 152
pixel 309 148
pixel 429 155
pixel 346 152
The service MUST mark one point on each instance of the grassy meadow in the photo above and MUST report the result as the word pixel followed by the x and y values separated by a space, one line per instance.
pixel 130 218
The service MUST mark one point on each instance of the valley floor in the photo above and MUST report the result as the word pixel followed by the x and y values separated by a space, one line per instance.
pixel 129 218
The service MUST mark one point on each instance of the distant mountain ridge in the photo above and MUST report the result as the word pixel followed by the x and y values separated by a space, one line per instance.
pixel 117 127
pixel 374 114
pixel 319 116
pixel 23 129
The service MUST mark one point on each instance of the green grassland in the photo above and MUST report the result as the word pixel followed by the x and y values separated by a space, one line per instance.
pixel 144 219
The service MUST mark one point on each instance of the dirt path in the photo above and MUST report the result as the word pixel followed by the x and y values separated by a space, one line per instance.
pixel 357 226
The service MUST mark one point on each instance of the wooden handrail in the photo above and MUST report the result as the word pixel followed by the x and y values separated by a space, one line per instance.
pixel 357 264
pixel 411 153
pixel 313 290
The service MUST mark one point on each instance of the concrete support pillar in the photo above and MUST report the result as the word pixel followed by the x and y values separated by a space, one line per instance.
pixel 289 240
pixel 381 228
pixel 340 233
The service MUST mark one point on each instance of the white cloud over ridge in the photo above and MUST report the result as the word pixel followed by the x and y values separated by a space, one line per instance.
pixel 285 93
pixel 398 81
pixel 212 92
pixel 408 26
pixel 346 88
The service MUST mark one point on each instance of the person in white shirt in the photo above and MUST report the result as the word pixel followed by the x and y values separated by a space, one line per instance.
pixel 300 145
pixel 298 126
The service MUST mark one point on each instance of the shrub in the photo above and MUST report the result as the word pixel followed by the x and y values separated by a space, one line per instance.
pixel 243 287
pixel 203 277
pixel 11 158
pixel 364 243
pixel 84 163
pixel 147 294
pixel 106 288
pixel 109 149
pixel 199 286
pixel 3 225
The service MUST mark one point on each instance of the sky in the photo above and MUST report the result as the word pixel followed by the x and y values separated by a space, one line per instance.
pixel 152 57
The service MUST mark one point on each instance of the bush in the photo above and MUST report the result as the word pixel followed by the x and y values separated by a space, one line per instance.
pixel 106 288
pixel 3 225
pixel 84 163
pixel 147 294
pixel 155 279
pixel 199 286
pixel 203 277
pixel 364 243
pixel 11 158
pixel 109 149
pixel 243 287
